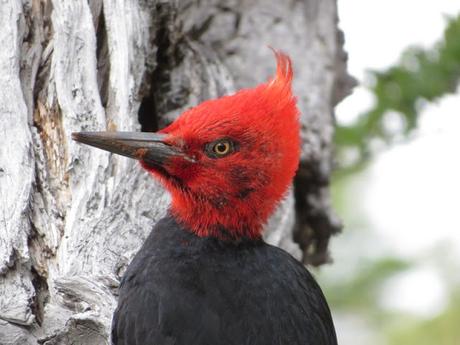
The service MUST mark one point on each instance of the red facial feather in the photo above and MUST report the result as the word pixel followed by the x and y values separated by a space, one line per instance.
pixel 233 196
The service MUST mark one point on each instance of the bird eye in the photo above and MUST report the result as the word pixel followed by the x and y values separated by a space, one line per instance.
pixel 220 148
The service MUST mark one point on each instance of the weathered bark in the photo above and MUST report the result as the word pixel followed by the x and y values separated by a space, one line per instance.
pixel 72 217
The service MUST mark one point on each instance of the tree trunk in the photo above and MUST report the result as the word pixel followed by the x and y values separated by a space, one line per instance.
pixel 72 217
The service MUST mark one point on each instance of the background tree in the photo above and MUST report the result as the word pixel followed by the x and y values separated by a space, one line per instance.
pixel 72 217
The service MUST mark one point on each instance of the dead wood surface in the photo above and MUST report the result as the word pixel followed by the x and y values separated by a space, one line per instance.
pixel 72 217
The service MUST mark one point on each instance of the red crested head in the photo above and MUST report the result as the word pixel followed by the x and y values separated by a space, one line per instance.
pixel 242 150
pixel 227 162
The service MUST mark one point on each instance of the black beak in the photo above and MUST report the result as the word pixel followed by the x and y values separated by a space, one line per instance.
pixel 147 147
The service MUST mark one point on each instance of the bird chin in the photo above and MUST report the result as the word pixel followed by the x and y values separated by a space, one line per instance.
pixel 161 173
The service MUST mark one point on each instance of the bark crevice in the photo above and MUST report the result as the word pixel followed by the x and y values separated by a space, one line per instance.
pixel 156 101
pixel 103 58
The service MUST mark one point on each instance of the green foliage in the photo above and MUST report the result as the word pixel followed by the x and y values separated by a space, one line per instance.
pixel 421 76
pixel 401 91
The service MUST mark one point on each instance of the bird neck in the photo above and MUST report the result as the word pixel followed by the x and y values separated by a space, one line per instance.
pixel 223 221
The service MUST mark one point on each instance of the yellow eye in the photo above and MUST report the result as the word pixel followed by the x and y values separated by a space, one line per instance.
pixel 222 148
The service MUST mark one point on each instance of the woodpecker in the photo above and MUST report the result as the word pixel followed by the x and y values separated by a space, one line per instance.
pixel 204 275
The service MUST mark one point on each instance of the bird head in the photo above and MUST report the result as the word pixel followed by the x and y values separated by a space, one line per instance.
pixel 226 162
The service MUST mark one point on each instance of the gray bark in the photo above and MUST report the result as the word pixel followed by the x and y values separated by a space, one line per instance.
pixel 72 217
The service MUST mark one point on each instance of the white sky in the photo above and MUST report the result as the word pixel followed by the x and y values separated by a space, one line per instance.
pixel 414 194
pixel 412 191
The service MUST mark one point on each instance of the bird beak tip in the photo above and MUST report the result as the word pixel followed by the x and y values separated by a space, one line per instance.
pixel 75 136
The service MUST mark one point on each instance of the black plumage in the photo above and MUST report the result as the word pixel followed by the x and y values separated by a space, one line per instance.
pixel 181 289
